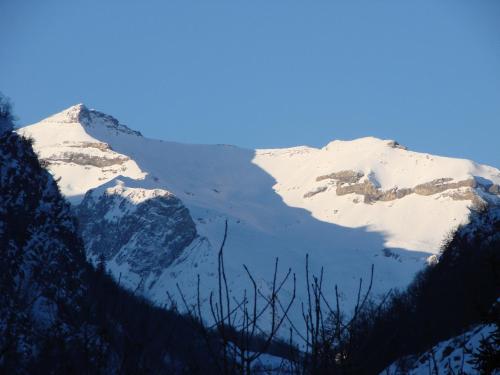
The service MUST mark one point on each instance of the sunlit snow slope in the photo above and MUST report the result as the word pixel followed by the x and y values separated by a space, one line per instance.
pixel 348 205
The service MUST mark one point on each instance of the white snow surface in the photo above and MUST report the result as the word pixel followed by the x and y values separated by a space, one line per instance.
pixel 453 356
pixel 261 194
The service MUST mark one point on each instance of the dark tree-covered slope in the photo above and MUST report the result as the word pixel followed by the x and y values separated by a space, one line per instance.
pixel 443 301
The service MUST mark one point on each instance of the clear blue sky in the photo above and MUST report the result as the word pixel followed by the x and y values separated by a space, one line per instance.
pixel 265 73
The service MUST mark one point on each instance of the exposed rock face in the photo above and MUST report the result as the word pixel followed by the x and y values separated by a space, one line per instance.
pixel 69 150
pixel 366 188
pixel 86 159
pixel 478 203
pixel 147 229
pixel 98 145
pixel 97 154
pixel 89 118
pixel 347 182
pixel 348 177
pixel 442 184
pixel 315 191
pixel 395 144
pixel 371 193
pixel 395 193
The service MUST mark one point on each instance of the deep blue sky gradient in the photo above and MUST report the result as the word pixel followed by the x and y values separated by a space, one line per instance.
pixel 265 73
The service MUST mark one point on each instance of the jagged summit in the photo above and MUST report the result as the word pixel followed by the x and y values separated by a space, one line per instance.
pixel 90 118
pixel 73 114
pixel 82 137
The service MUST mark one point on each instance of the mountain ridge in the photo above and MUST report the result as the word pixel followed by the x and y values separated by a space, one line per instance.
pixel 278 202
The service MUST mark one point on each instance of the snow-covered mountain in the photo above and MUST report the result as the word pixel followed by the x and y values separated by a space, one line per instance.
pixel 156 210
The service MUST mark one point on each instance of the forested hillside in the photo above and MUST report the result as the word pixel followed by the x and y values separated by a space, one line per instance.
pixel 443 301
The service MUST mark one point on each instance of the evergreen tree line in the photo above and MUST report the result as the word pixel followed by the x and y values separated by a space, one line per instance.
pixel 444 300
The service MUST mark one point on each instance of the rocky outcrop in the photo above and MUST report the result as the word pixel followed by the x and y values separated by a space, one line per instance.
pixel 394 144
pixel 97 145
pixel 348 177
pixel 91 118
pixel 395 193
pixel 315 191
pixel 86 159
pixel 145 228
pixel 478 203
pixel 348 182
pixel 365 188
pixel 442 184
pixel 371 193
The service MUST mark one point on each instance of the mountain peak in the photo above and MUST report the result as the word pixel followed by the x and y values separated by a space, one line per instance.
pixel 72 114
pixel 78 107
pixel 90 119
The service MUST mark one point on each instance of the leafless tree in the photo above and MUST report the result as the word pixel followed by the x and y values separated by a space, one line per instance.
pixel 239 331
pixel 329 337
